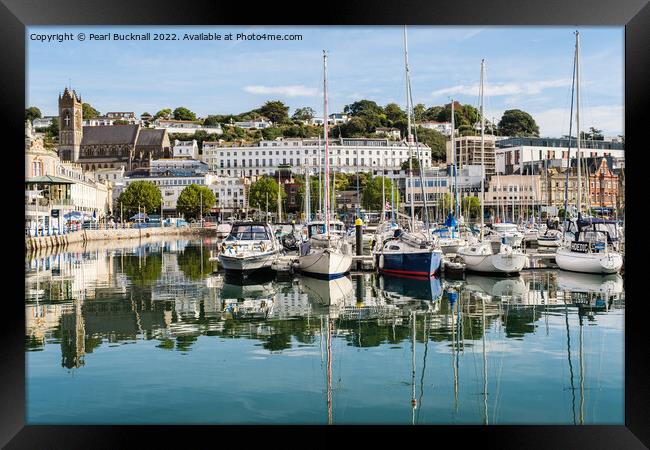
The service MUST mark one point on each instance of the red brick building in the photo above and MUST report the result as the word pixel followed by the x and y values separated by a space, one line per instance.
pixel 603 184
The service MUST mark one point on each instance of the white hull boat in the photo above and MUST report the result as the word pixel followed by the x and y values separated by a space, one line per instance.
pixel 249 247
pixel 597 262
pixel 223 230
pixel 482 257
pixel 327 263
pixel 246 262
pixel 550 239
pixel 451 245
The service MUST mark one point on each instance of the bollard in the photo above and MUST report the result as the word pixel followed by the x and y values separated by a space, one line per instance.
pixel 359 235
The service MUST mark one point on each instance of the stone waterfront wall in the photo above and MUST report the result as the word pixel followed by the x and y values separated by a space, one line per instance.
pixel 37 243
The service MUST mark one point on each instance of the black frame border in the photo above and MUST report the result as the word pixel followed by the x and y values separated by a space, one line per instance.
pixel 15 15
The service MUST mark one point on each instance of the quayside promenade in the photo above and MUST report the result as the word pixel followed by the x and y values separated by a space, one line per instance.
pixel 110 234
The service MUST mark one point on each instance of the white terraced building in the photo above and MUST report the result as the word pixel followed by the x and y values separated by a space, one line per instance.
pixel 348 155
pixel 512 152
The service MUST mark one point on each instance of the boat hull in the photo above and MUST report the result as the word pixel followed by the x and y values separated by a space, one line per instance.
pixel 502 262
pixel 548 242
pixel 326 264
pixel 588 262
pixel 247 264
pixel 415 263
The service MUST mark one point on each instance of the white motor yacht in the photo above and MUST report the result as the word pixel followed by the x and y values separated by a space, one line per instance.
pixel 249 247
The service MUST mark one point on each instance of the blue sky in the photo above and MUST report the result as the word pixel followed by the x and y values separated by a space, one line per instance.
pixel 526 67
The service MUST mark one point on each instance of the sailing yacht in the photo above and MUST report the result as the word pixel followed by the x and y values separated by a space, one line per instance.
pixel 591 249
pixel 487 256
pixel 325 255
pixel 410 253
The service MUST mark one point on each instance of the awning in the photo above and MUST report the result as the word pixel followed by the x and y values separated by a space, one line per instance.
pixel 48 179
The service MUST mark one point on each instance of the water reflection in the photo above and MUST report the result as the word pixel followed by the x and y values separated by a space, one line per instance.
pixel 467 351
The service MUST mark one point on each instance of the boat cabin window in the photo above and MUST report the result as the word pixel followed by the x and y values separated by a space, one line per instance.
pixel 247 233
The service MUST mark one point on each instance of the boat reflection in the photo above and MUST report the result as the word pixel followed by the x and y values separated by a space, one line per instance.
pixel 585 282
pixel 496 286
pixel 332 293
pixel 407 289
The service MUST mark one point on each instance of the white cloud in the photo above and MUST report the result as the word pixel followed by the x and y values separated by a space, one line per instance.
pixel 555 121
pixel 289 91
pixel 498 89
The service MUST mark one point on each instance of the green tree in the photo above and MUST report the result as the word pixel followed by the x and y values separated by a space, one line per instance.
pixel 259 190
pixel 88 112
pixel 121 122
pixel 32 113
pixel 341 181
pixel 415 163
pixel 394 114
pixel 357 126
pixel 436 141
pixel 363 107
pixel 304 114
pixel 432 113
pixel 53 130
pixel 592 135
pixel 211 121
pixel 163 114
pixel 371 196
pixel 473 205
pixel 419 112
pixel 51 134
pixel 445 203
pixel 276 111
pixel 313 191
pixel 144 194
pixel 193 199
pixel 516 122
pixel 271 133
pixel 182 113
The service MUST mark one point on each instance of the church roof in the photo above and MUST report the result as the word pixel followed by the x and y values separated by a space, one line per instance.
pixel 150 136
pixel 110 135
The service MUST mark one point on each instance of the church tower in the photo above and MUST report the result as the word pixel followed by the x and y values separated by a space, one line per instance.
pixel 70 126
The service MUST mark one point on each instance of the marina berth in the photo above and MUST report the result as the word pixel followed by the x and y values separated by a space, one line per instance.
pixel 250 247
pixel 326 254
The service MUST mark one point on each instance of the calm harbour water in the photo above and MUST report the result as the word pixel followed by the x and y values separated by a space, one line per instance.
pixel 148 334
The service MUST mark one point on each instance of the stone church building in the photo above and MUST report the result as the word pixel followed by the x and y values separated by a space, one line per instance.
pixel 101 147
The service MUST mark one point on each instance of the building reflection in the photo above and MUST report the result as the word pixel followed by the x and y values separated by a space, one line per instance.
pixel 168 292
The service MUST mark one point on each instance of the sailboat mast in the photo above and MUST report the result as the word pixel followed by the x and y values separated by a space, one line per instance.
pixel 383 187
pixel 453 149
pixel 578 118
pixel 307 196
pixel 568 159
pixel 320 178
pixel 279 198
pixel 408 128
pixel 482 150
pixel 327 160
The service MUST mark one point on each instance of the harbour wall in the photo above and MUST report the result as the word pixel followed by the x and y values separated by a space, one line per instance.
pixel 42 242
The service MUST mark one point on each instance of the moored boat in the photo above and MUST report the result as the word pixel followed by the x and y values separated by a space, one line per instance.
pixel 249 247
